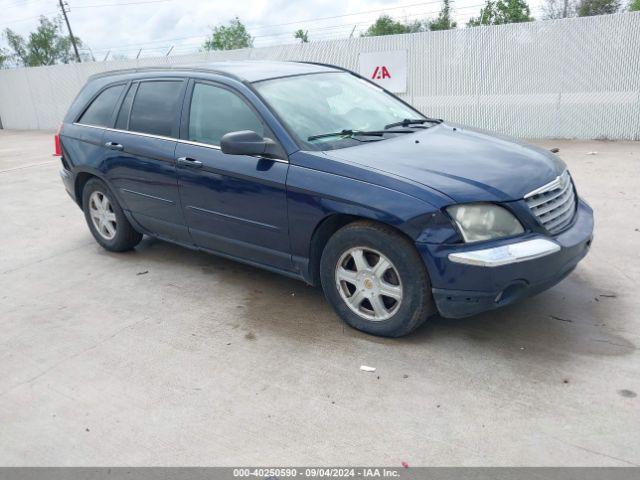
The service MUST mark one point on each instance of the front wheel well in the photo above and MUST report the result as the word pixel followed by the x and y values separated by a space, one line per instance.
pixel 323 233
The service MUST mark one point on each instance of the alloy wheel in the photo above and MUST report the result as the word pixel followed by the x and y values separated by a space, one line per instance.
pixel 102 215
pixel 369 283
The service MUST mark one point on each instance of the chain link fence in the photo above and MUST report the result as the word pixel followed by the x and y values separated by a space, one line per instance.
pixel 570 78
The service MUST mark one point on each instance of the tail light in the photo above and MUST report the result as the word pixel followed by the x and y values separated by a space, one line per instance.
pixel 58 145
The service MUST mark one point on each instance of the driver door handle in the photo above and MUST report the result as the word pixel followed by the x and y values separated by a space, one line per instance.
pixel 189 162
pixel 114 146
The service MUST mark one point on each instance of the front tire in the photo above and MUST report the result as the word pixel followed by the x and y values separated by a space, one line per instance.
pixel 105 218
pixel 375 280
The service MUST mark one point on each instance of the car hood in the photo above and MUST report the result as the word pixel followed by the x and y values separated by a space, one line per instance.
pixel 462 163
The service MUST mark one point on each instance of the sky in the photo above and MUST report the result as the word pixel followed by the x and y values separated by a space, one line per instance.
pixel 123 27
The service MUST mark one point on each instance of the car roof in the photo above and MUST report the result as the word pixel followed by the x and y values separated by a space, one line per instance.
pixel 247 71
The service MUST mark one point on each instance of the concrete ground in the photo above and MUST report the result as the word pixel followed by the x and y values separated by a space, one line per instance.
pixel 165 356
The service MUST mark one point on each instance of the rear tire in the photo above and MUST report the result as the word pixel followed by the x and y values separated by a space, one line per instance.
pixel 375 280
pixel 105 218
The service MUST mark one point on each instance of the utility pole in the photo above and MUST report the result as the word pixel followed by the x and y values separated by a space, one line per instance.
pixel 564 10
pixel 73 39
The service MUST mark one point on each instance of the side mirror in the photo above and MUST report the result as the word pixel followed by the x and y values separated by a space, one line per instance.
pixel 247 142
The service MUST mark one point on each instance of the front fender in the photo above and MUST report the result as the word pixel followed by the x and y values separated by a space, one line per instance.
pixel 314 195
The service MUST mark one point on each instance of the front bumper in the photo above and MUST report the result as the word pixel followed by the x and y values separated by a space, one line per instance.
pixel 465 284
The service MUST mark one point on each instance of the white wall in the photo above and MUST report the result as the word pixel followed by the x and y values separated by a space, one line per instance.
pixel 572 78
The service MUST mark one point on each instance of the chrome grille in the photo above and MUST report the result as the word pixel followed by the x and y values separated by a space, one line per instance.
pixel 554 204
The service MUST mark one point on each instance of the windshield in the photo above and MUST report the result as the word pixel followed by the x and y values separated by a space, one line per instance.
pixel 332 102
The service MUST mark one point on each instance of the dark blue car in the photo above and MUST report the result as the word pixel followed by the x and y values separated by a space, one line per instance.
pixel 316 173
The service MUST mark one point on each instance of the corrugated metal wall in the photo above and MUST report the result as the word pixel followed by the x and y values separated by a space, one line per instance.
pixel 572 78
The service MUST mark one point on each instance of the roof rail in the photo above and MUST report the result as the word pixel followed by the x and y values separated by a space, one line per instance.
pixel 162 68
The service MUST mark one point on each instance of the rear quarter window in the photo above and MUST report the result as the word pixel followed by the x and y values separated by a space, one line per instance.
pixel 100 111
pixel 155 108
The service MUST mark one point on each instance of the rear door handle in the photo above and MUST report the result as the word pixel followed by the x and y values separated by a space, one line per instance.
pixel 189 162
pixel 114 146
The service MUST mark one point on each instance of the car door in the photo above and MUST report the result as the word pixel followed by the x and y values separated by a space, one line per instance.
pixel 232 204
pixel 141 158
pixel 83 138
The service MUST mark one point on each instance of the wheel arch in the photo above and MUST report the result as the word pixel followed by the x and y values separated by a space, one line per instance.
pixel 80 181
pixel 329 226
pixel 83 175
pixel 414 301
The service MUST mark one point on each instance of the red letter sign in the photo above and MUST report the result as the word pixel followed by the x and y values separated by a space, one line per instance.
pixel 380 73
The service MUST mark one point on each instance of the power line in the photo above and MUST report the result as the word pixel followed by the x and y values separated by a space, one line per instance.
pixel 324 35
pixel 97 5
pixel 100 5
pixel 350 24
pixel 29 18
pixel 413 15
pixel 47 14
pixel 260 27
pixel 255 26
pixel 347 14
pixel 14 4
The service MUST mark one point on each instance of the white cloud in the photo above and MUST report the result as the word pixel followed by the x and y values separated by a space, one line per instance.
pixel 155 27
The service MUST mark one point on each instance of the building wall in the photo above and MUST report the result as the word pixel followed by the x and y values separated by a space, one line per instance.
pixel 571 78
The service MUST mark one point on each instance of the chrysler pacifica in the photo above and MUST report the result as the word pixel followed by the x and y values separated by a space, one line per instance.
pixel 314 172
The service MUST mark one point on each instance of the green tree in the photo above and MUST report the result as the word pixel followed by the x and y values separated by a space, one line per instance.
pixel 634 6
pixel 302 35
pixel 499 12
pixel 588 8
pixel 444 21
pixel 4 58
pixel 229 37
pixel 385 25
pixel 46 46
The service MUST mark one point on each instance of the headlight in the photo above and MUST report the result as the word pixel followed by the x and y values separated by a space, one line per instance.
pixel 484 221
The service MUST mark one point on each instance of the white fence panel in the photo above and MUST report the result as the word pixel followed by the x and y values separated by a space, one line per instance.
pixel 572 78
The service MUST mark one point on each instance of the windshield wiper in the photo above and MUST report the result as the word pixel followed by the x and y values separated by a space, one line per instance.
pixel 413 121
pixel 352 133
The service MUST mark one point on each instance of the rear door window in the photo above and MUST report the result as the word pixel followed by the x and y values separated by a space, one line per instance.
pixel 216 111
pixel 155 108
pixel 100 112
